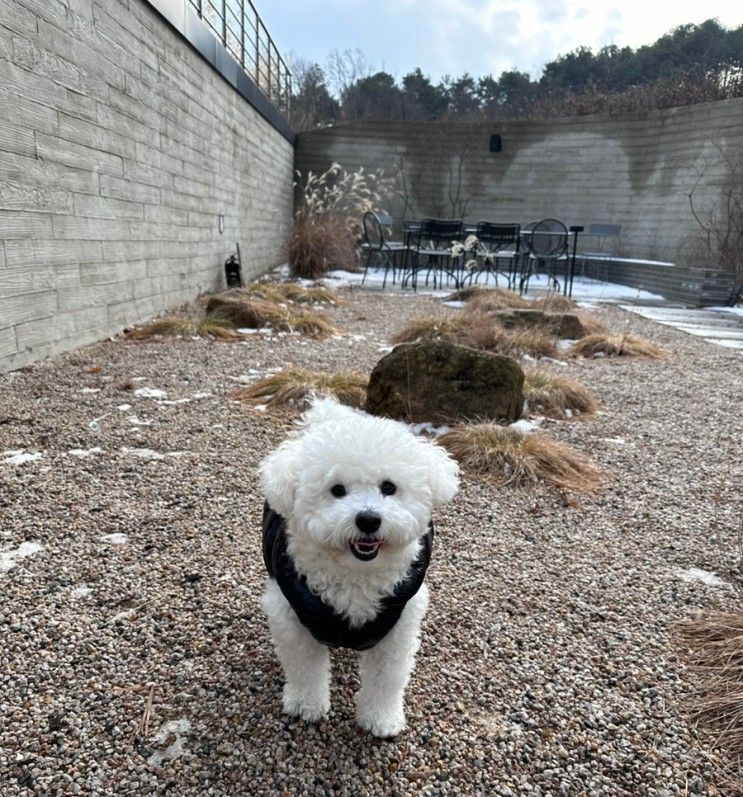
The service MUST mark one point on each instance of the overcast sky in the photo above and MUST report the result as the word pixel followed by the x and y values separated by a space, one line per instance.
pixel 476 36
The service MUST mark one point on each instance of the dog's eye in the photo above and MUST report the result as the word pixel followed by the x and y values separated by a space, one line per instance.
pixel 338 490
pixel 387 488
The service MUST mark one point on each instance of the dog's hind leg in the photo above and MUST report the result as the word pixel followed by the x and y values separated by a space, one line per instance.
pixel 385 670
pixel 305 661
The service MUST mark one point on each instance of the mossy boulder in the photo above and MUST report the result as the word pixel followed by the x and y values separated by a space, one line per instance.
pixel 561 325
pixel 439 382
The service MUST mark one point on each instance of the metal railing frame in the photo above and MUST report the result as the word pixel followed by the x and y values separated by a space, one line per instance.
pixel 248 41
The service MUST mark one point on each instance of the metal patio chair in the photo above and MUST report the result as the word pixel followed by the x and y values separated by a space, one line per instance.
pixel 497 242
pixel 547 246
pixel 377 246
pixel 429 250
pixel 604 246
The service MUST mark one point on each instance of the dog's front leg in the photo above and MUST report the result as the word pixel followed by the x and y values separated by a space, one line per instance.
pixel 305 661
pixel 385 671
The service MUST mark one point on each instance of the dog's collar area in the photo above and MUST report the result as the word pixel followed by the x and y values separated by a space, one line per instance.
pixel 320 619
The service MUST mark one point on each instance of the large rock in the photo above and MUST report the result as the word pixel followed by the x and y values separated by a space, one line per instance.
pixel 561 325
pixel 439 382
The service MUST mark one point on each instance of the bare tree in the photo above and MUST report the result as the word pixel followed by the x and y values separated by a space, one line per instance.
pixel 719 214
pixel 346 67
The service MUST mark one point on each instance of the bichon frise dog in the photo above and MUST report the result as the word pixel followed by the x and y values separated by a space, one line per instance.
pixel 347 537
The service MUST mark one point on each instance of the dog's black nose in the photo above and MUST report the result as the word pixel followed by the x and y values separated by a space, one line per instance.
pixel 368 522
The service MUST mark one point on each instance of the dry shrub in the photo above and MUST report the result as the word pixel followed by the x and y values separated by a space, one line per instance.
pixel 291 292
pixel 214 325
pixel 716 643
pixel 478 331
pixel 292 385
pixel 554 395
pixel 615 346
pixel 592 325
pixel 318 244
pixel 509 456
pixel 256 313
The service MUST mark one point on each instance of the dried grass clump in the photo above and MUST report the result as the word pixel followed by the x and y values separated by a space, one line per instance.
pixel 557 396
pixel 214 325
pixel 292 385
pixel 554 303
pixel 491 298
pixel 615 346
pixel 291 292
pixel 716 643
pixel 482 332
pixel 430 328
pixel 509 456
pixel 478 331
pixel 258 313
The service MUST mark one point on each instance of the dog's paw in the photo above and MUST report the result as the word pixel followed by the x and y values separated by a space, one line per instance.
pixel 311 708
pixel 385 725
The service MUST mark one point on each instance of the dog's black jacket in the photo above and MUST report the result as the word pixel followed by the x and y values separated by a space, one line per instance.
pixel 316 616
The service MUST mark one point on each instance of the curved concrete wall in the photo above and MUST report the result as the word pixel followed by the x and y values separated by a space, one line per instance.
pixel 635 170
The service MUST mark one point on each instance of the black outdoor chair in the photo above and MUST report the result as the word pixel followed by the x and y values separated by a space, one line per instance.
pixel 498 242
pixel 377 246
pixel 604 244
pixel 547 246
pixel 429 250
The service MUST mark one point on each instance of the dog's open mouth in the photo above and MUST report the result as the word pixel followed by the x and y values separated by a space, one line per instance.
pixel 366 550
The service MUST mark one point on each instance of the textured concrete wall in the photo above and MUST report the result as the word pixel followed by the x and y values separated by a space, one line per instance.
pixel 635 170
pixel 119 147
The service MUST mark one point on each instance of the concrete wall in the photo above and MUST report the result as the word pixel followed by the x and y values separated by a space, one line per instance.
pixel 635 170
pixel 119 147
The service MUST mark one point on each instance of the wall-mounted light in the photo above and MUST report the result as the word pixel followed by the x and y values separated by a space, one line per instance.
pixel 496 145
pixel 221 223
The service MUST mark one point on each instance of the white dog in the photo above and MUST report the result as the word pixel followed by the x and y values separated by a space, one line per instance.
pixel 347 537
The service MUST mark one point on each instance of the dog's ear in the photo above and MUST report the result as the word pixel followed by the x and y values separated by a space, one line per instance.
pixel 442 473
pixel 278 473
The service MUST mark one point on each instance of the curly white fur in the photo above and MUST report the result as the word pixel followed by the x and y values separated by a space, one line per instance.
pixel 341 446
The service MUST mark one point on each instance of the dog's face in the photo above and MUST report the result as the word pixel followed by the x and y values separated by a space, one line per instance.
pixel 357 485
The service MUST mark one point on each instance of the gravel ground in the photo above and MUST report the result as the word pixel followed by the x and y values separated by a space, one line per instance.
pixel 548 664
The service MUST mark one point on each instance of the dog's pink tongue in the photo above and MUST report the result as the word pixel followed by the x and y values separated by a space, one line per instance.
pixel 368 546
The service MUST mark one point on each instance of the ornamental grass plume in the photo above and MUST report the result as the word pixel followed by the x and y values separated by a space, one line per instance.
pixel 557 396
pixel 615 346
pixel 505 455
pixel 292 385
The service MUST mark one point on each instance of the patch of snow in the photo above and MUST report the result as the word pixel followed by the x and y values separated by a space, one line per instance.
pixel 91 390
pixel 564 344
pixel 19 457
pixel 203 395
pixel 384 349
pixel 260 407
pixel 80 591
pixel 173 402
pixel 692 574
pixel 139 422
pixel 138 379
pixel 617 441
pixel 454 304
pixel 95 424
pixel 524 426
pixel 10 558
pixel 117 538
pixel 81 453
pixel 142 453
pixel 150 392
pixel 597 355
pixel 124 407
pixel 552 360
pixel 179 729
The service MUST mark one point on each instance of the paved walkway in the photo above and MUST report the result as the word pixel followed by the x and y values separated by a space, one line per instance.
pixel 720 326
